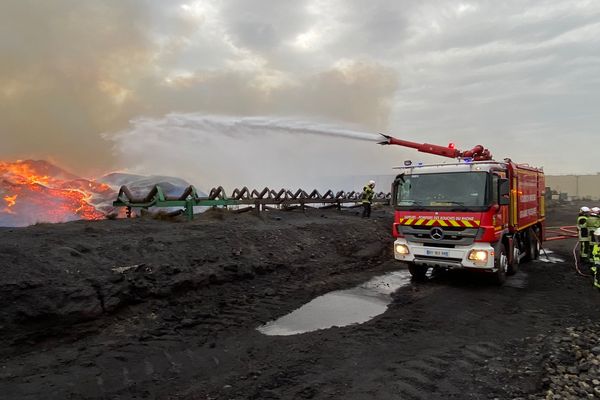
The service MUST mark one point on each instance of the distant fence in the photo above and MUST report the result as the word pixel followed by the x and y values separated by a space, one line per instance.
pixel 249 199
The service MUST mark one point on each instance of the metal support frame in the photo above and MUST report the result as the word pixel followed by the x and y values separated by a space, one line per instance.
pixel 259 201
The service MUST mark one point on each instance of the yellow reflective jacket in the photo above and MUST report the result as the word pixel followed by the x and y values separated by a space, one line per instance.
pixel 596 253
pixel 367 194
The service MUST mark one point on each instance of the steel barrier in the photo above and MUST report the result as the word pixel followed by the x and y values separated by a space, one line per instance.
pixel 253 199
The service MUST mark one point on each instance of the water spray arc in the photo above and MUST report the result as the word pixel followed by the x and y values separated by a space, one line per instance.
pixel 282 152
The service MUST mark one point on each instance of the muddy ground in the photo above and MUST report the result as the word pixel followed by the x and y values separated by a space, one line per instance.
pixel 154 309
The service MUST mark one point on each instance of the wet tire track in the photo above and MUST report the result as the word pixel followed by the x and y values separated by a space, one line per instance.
pixel 427 377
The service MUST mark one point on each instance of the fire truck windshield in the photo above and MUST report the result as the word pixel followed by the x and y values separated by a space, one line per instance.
pixel 463 190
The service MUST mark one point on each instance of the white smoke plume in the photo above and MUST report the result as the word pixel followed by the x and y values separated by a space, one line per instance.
pixel 249 151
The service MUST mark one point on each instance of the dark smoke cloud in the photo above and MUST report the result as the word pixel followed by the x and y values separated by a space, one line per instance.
pixel 357 92
pixel 72 70
pixel 67 73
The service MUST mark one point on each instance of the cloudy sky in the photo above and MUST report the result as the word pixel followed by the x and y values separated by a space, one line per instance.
pixel 520 77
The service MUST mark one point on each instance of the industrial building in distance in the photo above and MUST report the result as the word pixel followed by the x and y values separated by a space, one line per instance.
pixel 574 187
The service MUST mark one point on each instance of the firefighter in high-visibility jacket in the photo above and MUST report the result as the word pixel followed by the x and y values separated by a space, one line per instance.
pixel 596 259
pixel 593 223
pixel 367 198
pixel 585 236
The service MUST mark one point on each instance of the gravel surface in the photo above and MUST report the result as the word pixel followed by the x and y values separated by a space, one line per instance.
pixel 572 364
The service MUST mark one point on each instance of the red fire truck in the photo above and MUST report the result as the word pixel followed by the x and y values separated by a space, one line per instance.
pixel 475 213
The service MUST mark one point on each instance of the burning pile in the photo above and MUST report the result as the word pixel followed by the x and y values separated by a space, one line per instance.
pixel 37 191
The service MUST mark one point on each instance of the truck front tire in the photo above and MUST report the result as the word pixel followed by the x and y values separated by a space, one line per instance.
pixel 418 272
pixel 501 265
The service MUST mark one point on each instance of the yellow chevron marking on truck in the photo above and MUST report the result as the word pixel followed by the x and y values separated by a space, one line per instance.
pixel 440 222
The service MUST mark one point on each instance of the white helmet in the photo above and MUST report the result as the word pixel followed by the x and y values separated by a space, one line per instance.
pixel 596 210
pixel 597 232
pixel 584 209
pixel 372 183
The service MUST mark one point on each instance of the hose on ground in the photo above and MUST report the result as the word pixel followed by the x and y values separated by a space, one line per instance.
pixel 567 229
pixel 576 258
pixel 559 233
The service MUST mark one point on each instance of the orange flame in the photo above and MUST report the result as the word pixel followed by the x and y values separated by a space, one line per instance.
pixel 47 193
pixel 22 173
pixel 10 200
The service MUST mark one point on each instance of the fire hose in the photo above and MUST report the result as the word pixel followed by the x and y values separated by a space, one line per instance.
pixel 562 233
pixel 572 230
pixel 576 258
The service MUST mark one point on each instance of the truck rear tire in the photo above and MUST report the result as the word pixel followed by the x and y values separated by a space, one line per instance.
pixel 513 266
pixel 538 244
pixel 418 272
pixel 501 264
pixel 533 245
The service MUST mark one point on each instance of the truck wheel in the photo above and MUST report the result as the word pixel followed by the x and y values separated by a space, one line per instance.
pixel 418 272
pixel 513 267
pixel 533 245
pixel 538 244
pixel 501 264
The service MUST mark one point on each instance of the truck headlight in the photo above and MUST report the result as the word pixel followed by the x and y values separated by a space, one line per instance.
pixel 478 255
pixel 402 249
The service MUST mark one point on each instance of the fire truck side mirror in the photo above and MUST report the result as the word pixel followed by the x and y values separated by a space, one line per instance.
pixel 503 192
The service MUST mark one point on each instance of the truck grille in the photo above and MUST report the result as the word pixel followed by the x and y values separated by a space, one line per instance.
pixel 438 236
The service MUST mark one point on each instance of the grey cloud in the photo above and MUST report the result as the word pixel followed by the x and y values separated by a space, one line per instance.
pixel 517 76
pixel 359 93
pixel 263 25
pixel 375 27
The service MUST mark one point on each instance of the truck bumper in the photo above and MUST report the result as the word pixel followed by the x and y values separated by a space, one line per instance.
pixel 457 257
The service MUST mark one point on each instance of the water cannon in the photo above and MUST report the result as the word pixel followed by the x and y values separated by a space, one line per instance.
pixel 477 153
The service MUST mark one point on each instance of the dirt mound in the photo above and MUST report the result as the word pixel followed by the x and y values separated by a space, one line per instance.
pixel 59 275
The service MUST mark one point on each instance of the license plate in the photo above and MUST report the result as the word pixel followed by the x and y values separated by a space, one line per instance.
pixel 437 253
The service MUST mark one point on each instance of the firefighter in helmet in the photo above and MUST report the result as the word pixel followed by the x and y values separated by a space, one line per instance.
pixel 585 234
pixel 596 259
pixel 367 198
pixel 593 223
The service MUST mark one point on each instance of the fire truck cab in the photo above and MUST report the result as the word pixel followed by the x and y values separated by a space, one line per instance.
pixel 483 216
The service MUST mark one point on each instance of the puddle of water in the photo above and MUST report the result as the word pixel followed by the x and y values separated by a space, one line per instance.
pixel 550 259
pixel 340 308
pixel 547 257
